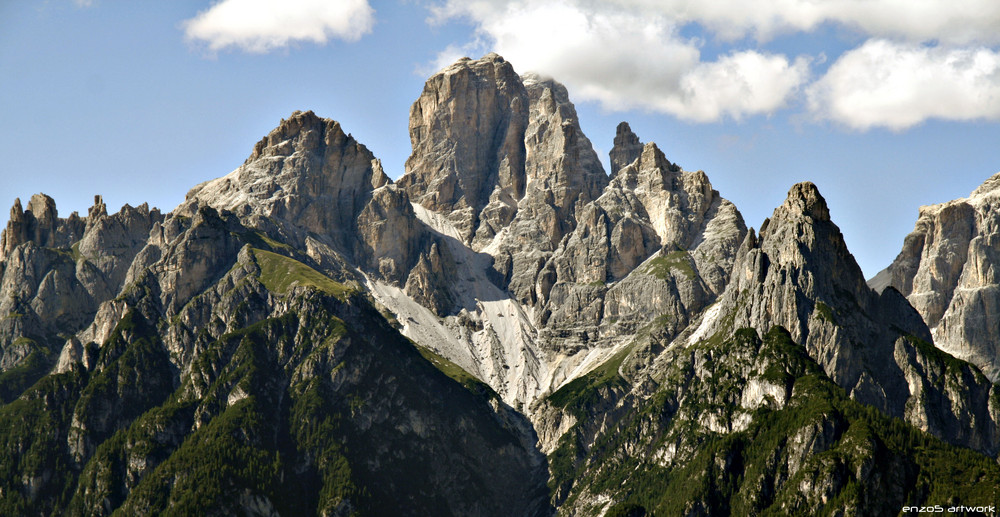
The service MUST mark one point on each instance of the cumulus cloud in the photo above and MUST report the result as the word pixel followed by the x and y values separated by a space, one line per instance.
pixel 743 83
pixel 263 25
pixel 898 85
pixel 923 59
pixel 628 59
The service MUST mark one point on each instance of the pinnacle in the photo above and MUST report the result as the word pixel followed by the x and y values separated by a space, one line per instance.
pixel 627 148
pixel 805 198
pixel 16 211
pixel 624 131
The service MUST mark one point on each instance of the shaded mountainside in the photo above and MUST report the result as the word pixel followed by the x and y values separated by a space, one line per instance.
pixel 506 330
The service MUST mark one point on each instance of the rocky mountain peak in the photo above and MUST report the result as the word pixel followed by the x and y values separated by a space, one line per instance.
pixel 301 130
pixel 652 157
pixel 800 234
pixel 43 207
pixel 557 150
pixel 16 231
pixel 98 209
pixel 16 211
pixel 799 259
pixel 307 173
pixel 804 199
pixel 467 131
pixel 484 137
pixel 627 148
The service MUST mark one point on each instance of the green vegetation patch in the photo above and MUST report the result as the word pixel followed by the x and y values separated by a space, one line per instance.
pixel 455 372
pixel 678 260
pixel 948 361
pixel 825 313
pixel 260 240
pixel 19 378
pixel 33 446
pixel 280 274
pixel 581 392
pixel 212 467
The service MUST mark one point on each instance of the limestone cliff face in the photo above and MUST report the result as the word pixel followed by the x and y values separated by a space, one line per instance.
pixel 322 191
pixel 467 130
pixel 946 270
pixel 308 174
pixel 563 175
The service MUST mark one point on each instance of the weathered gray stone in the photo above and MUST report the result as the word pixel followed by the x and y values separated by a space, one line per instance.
pixel 626 149
pixel 947 270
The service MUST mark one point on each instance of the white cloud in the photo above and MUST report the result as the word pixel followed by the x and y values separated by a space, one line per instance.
pixel 960 22
pixel 898 85
pixel 743 83
pixel 950 21
pixel 628 59
pixel 264 25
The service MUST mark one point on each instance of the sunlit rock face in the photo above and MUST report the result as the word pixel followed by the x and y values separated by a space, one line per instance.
pixel 947 269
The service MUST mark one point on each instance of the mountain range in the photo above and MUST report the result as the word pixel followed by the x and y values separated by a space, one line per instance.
pixel 507 329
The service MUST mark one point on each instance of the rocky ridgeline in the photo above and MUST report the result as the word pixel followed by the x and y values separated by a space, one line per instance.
pixel 56 272
pixel 947 270
pixel 630 327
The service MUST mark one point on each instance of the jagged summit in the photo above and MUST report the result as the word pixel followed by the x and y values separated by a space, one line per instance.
pixel 307 176
pixel 804 198
pixel 41 225
pixel 482 134
pixel 304 157
pixel 798 261
pixel 467 132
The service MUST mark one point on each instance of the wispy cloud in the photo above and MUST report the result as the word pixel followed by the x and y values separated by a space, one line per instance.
pixel 899 85
pixel 260 26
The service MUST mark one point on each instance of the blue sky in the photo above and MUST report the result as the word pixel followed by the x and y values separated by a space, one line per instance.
pixel 885 104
